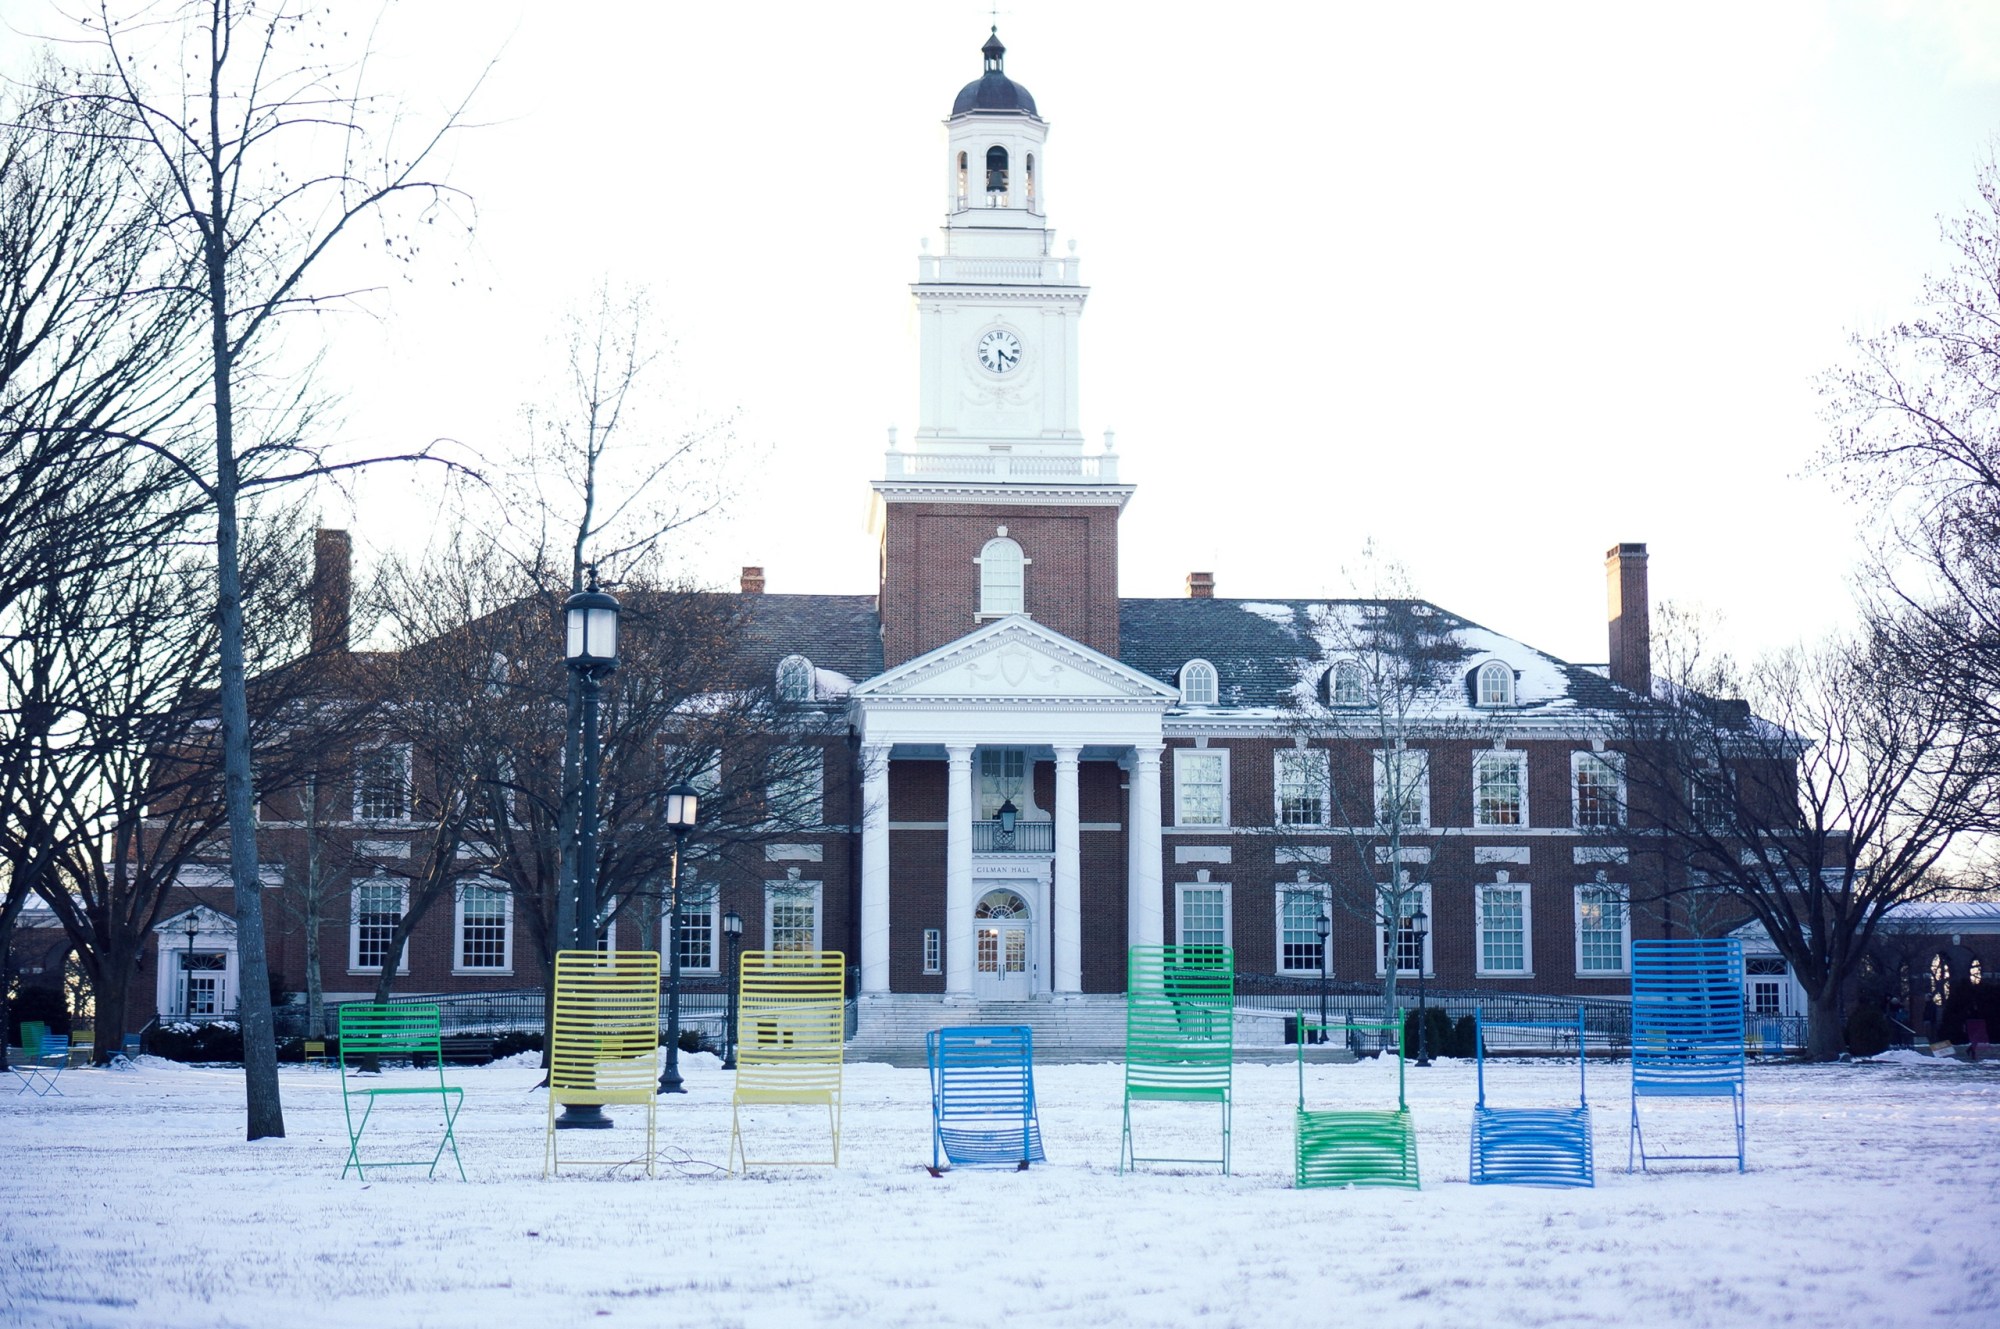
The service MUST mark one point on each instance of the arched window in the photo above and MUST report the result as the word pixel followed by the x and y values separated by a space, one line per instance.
pixel 795 679
pixel 1000 577
pixel 963 180
pixel 996 170
pixel 1198 683
pixel 1346 685
pixel 1001 904
pixel 1031 181
pixel 1496 684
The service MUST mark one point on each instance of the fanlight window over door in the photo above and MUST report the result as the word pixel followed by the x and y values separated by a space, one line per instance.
pixel 1001 904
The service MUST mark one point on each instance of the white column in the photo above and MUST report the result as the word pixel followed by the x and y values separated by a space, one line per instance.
pixel 958 874
pixel 1142 870
pixel 1068 880
pixel 875 867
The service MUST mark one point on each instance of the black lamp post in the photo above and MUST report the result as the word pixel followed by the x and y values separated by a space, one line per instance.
pixel 590 649
pixel 732 932
pixel 1418 922
pixel 187 968
pixel 1324 927
pixel 683 807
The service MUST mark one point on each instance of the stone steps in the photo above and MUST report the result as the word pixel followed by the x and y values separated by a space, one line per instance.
pixel 1089 1028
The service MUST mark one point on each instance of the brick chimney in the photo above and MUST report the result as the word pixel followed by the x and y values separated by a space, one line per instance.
pixel 332 590
pixel 1630 617
pixel 1201 585
pixel 753 581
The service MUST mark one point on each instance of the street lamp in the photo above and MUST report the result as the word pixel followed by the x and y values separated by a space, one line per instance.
pixel 732 932
pixel 1324 927
pixel 1009 816
pixel 187 968
pixel 590 649
pixel 1418 920
pixel 683 807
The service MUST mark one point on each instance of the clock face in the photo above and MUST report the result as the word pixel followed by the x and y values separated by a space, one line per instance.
pixel 1000 351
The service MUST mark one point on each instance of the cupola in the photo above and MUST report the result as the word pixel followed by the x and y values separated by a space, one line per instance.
pixel 993 90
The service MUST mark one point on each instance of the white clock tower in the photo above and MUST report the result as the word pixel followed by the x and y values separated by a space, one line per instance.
pixel 999 307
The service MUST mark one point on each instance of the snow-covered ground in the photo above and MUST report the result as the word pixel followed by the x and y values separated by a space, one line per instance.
pixel 1871 1199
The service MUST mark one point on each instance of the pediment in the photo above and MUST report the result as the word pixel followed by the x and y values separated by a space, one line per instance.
pixel 1015 658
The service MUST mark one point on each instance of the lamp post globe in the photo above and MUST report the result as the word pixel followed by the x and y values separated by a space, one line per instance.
pixel 732 933
pixel 1419 923
pixel 682 811
pixel 590 649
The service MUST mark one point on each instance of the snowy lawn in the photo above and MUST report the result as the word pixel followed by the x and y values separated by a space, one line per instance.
pixel 1871 1200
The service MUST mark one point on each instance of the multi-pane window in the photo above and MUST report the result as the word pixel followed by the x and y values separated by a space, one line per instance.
pixel 1603 929
pixel 797 786
pixel 1302 777
pixel 1403 788
pixel 1300 909
pixel 1503 929
pixel 1347 685
pixel 697 930
pixel 1204 915
pixel 795 679
pixel 933 951
pixel 1411 941
pixel 1496 684
pixel 382 784
pixel 376 908
pixel 1201 784
pixel 1001 577
pixel 1500 789
pixel 483 913
pixel 1198 685
pixel 791 915
pixel 1003 778
pixel 1598 782
pixel 1711 795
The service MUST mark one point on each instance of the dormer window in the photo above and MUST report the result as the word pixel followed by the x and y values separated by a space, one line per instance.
pixel 1001 576
pixel 1496 684
pixel 1198 683
pixel 795 679
pixel 1346 685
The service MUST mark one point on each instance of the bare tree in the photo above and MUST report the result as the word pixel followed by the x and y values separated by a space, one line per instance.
pixel 1834 791
pixel 272 155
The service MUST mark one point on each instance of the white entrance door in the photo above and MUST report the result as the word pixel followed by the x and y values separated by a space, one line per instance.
pixel 1002 946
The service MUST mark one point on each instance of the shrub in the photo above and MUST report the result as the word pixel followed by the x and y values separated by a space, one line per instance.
pixel 1437 1038
pixel 1464 1038
pixel 516 1040
pixel 1868 1031
pixel 218 1040
pixel 697 1040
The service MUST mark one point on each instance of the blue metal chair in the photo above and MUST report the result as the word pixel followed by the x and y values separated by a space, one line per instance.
pixel 39 1070
pixel 983 1098
pixel 1687 1032
pixel 1531 1146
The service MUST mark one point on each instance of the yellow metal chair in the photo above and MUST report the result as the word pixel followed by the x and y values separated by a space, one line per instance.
pixel 606 1040
pixel 791 1019
pixel 315 1052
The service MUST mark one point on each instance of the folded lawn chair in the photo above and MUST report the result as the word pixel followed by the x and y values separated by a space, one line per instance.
pixel 983 1098
pixel 1531 1146
pixel 1354 1146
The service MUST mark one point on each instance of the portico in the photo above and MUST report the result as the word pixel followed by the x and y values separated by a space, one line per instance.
pixel 991 707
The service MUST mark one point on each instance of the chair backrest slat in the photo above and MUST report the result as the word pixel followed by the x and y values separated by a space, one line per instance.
pixel 1180 1016
pixel 401 1029
pixel 606 1024
pixel 1687 1011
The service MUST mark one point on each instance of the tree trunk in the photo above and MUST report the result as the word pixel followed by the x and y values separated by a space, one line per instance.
pixel 264 1114
pixel 10 909
pixel 1825 1037
pixel 113 990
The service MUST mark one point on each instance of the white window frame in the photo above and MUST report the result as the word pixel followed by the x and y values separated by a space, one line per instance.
pixel 1416 893
pixel 1319 770
pixel 1360 675
pixel 1019 789
pixel 354 965
pixel 1180 806
pixel 458 965
pixel 1200 672
pixel 1423 756
pixel 933 956
pixel 1527 898
pixel 1625 944
pixel 774 792
pixel 711 909
pixel 989 605
pixel 1181 889
pixel 1615 761
pixel 1497 669
pixel 1287 891
pixel 795 679
pixel 402 750
pixel 772 889
pixel 1518 759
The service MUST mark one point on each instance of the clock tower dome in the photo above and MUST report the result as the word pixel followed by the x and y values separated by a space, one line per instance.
pixel 995 506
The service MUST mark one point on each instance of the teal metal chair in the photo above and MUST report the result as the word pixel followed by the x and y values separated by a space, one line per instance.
pixel 1354 1147
pixel 1180 1036
pixel 372 1034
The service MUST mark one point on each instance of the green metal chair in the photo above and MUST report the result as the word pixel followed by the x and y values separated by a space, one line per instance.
pixel 1350 1147
pixel 1180 1036
pixel 372 1034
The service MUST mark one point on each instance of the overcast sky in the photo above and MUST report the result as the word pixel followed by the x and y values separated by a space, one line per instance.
pixel 1495 285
